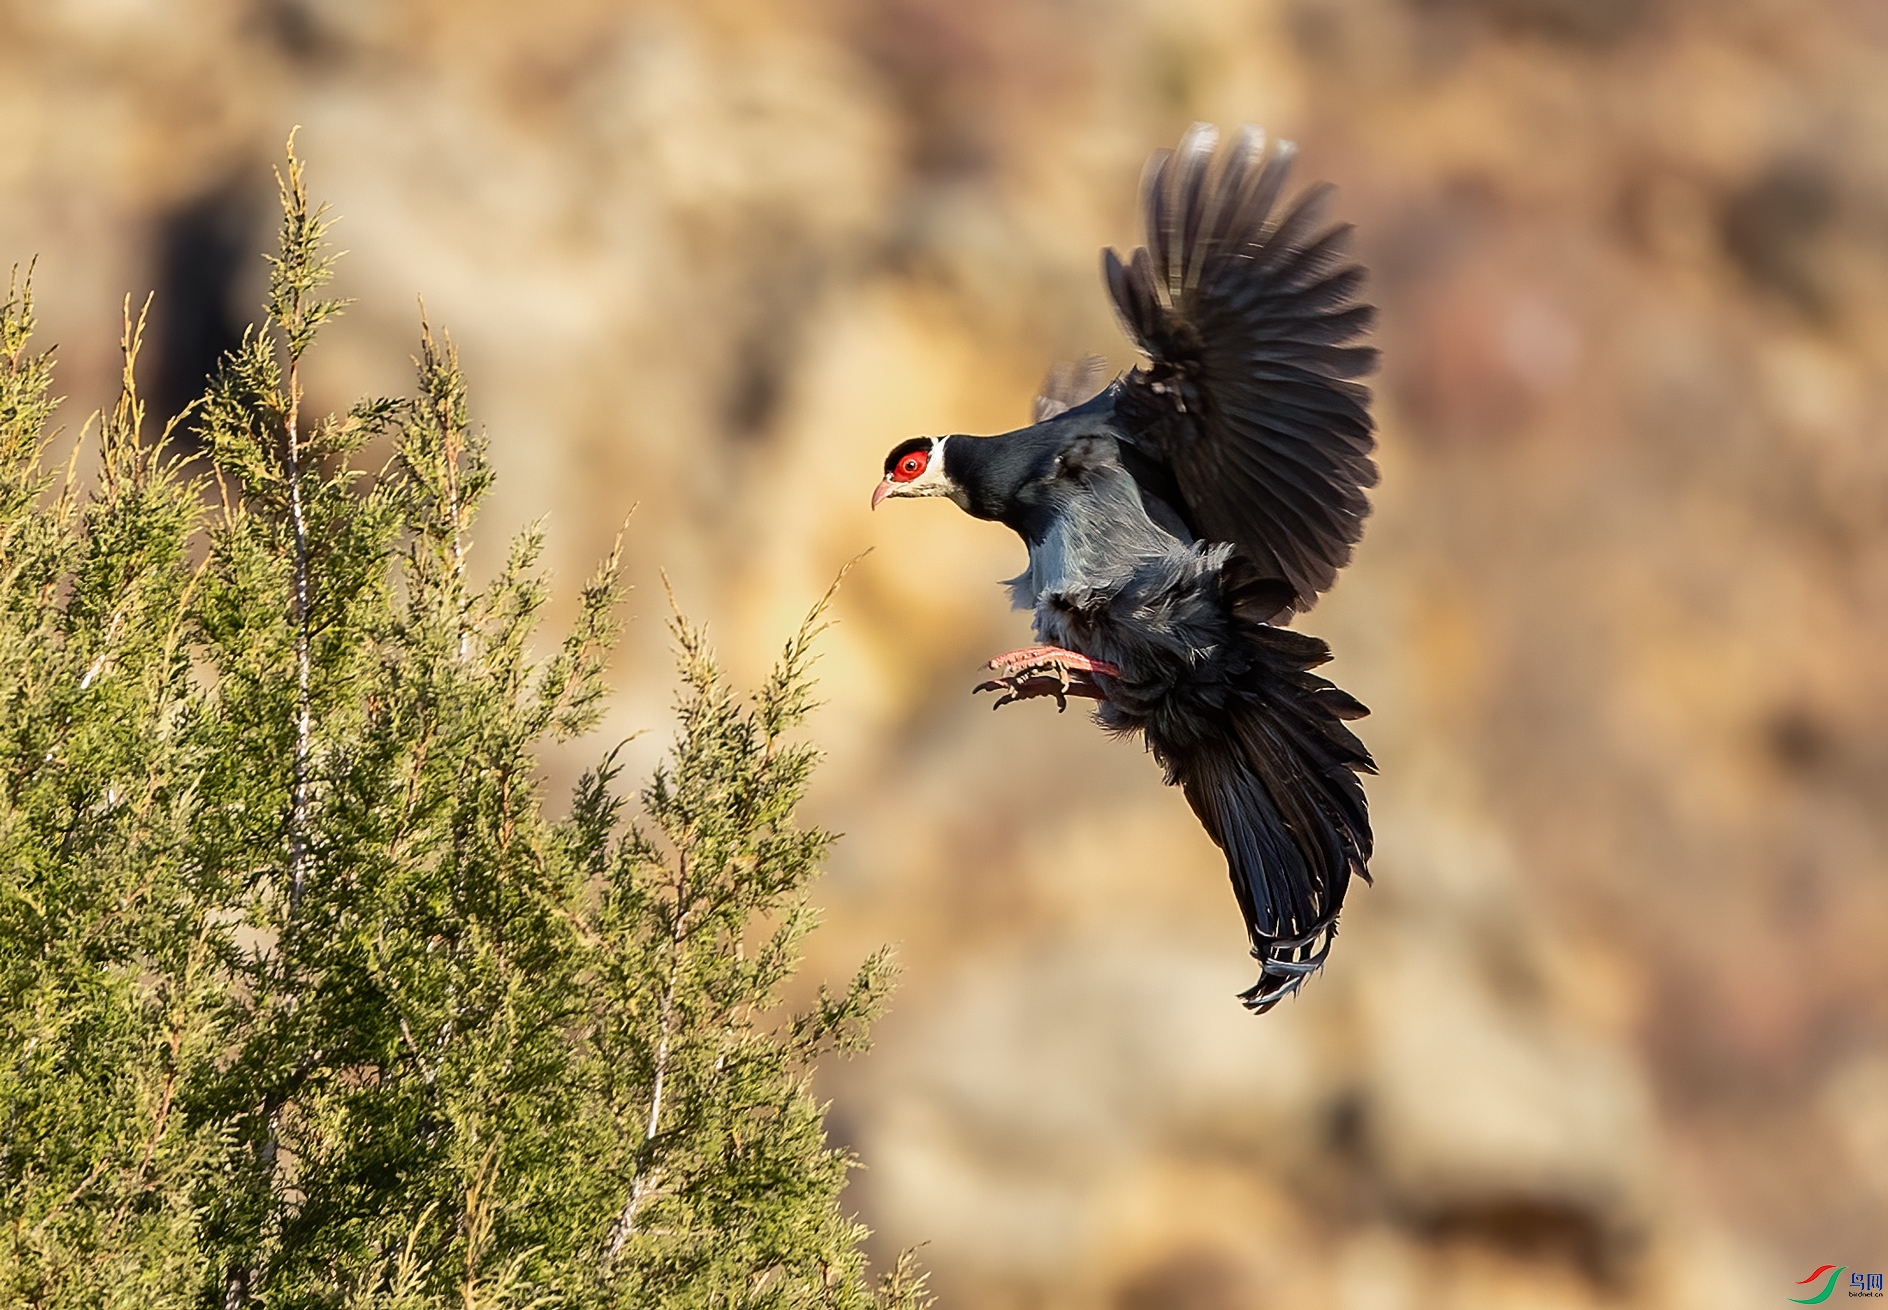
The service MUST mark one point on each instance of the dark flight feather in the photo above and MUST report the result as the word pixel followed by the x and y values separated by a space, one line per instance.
pixel 1247 321
pixel 1068 385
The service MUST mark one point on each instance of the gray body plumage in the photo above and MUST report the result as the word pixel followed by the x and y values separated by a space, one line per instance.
pixel 1108 581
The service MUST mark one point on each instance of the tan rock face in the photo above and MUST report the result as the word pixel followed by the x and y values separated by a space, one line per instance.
pixel 1611 1027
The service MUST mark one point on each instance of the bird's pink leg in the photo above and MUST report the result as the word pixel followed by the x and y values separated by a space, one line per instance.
pixel 1050 657
pixel 1047 671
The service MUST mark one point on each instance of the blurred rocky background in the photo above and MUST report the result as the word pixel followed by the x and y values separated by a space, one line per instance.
pixel 1612 1028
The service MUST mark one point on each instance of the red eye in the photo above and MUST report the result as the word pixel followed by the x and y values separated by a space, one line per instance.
pixel 910 466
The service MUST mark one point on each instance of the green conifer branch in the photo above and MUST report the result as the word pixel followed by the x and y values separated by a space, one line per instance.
pixel 294 275
pixel 449 1049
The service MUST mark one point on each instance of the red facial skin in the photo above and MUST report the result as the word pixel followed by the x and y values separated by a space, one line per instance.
pixel 908 469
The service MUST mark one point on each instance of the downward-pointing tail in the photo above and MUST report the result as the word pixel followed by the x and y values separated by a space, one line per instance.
pixel 1278 789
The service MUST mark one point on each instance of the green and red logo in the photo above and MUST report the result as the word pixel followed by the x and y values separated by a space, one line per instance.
pixel 1832 1272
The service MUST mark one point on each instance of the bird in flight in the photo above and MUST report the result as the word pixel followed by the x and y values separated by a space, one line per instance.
pixel 1177 519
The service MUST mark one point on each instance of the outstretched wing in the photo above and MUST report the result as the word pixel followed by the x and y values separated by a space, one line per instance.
pixel 1068 385
pixel 1247 320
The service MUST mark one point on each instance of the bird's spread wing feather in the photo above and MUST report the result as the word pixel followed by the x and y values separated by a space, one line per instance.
pixel 1247 318
pixel 1068 385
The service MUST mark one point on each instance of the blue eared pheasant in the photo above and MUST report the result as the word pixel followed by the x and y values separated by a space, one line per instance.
pixel 1177 519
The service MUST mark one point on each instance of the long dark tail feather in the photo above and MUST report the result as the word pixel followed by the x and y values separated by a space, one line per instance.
pixel 1278 790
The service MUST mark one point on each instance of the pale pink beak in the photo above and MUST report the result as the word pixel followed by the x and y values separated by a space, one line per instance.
pixel 881 491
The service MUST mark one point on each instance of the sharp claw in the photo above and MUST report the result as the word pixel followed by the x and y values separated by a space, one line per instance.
pixel 998 684
pixel 1045 677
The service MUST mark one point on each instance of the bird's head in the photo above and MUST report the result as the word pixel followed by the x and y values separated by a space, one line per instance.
pixel 916 468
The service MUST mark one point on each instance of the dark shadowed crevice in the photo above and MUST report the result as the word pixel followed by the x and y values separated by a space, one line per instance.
pixel 1538 1228
pixel 1773 231
pixel 1187 1280
pixel 1594 23
pixel 766 352
pixel 205 265
pixel 1799 741
pixel 306 31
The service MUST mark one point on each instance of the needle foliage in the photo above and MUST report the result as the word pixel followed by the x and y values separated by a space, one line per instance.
pixel 306 997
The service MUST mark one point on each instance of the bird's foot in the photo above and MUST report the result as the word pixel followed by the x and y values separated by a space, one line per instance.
pixel 1047 671
pixel 1050 658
